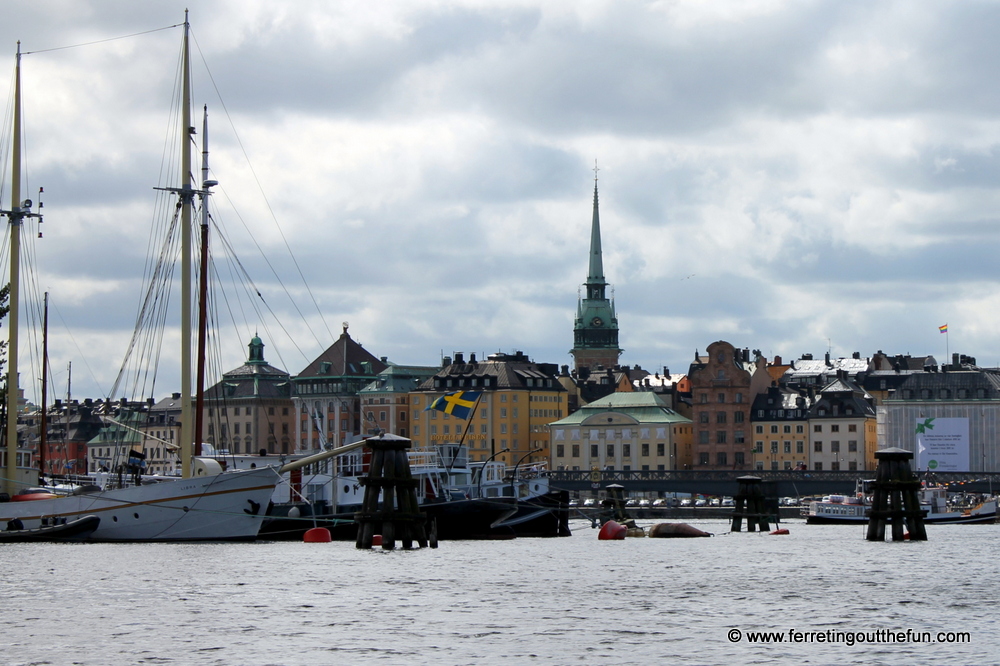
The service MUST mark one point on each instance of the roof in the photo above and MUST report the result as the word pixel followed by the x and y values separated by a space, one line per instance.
pixel 507 371
pixel 400 378
pixel 644 407
pixel 344 358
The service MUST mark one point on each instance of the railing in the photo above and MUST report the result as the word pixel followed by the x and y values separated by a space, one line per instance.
pixel 606 476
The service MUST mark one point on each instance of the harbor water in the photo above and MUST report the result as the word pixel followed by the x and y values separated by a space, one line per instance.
pixel 572 600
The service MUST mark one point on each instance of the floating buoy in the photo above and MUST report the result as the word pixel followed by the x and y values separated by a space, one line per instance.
pixel 612 531
pixel 781 531
pixel 317 535
pixel 376 540
pixel 675 531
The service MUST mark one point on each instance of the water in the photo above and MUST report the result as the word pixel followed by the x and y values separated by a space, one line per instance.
pixel 574 600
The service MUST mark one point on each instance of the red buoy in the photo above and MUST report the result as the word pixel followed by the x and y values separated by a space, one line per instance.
pixel 612 531
pixel 377 540
pixel 317 535
pixel 781 531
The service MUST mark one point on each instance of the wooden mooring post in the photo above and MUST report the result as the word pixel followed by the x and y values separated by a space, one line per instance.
pixel 895 498
pixel 750 505
pixel 398 514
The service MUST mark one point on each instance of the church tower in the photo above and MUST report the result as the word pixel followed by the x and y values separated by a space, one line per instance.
pixel 595 330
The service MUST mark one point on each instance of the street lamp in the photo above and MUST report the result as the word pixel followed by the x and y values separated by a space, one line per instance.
pixel 513 476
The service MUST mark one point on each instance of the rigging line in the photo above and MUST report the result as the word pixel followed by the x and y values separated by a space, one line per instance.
pixel 261 188
pixel 248 281
pixel 102 41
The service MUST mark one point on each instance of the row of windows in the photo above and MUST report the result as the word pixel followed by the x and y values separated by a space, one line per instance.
pixel 721 437
pixel 610 449
pixel 248 411
pixel 787 464
pixel 720 397
pixel 800 447
pixel 720 417
pixel 722 458
pixel 943 394
pixel 852 446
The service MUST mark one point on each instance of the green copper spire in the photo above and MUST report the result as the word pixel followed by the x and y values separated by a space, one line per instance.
pixel 596 274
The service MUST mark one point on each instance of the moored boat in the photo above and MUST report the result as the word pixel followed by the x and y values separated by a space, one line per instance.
pixel 854 509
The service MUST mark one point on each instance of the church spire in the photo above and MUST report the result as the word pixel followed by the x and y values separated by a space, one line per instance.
pixel 596 273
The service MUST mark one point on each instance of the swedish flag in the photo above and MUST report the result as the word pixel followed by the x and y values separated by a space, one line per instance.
pixel 459 404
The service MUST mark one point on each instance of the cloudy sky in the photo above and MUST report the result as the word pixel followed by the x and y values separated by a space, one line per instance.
pixel 794 177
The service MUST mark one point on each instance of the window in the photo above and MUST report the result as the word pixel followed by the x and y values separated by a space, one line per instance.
pixel 835 446
pixel 799 429
pixel 503 412
pixel 774 429
pixel 853 466
pixel 560 450
pixel 645 450
pixel 703 417
pixel 720 417
pixel 787 447
pixel 576 450
pixel 774 464
pixel 703 458
pixel 703 437
pixel 611 450
pixel 722 397
pixel 786 428
pixel 774 447
pixel 236 411
pixel 738 417
pixel 835 428
pixel 800 447
pixel 852 446
pixel 593 451
pixel 626 450
pixel 818 447
pixel 703 398
pixel 758 447
pixel 721 459
pixel 720 437
pixel 835 466
pixel 852 427
pixel 818 467
pixel 817 428
pixel 738 437
pixel 759 429
pixel 739 397
pixel 738 458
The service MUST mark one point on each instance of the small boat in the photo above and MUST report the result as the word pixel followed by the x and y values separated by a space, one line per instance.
pixel 79 529
pixel 933 498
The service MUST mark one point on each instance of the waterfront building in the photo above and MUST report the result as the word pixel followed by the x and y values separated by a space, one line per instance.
pixel 69 428
pixel 250 410
pixel 970 394
pixel 724 383
pixel 842 432
pixel 595 328
pixel 806 372
pixel 159 432
pixel 779 417
pixel 326 395
pixel 386 400
pixel 519 398
pixel 627 431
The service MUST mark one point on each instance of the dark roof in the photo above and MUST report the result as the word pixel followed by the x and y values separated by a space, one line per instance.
pixel 344 358
pixel 504 371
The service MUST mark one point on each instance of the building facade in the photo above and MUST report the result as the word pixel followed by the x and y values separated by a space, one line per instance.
pixel 627 431
pixel 780 420
pixel 519 399
pixel 843 433
pixel 386 401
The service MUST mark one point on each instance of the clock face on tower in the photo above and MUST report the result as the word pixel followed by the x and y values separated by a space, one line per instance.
pixel 596 321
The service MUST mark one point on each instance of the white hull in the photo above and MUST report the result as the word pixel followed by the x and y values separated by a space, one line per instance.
pixel 826 512
pixel 228 506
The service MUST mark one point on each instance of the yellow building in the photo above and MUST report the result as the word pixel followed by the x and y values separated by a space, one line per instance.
pixel 780 430
pixel 509 423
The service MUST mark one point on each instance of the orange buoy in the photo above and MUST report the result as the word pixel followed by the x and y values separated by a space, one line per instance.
pixel 317 535
pixel 781 531
pixel 377 540
pixel 612 531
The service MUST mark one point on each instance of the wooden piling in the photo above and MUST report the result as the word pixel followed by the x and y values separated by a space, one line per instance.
pixel 749 500
pixel 397 515
pixel 895 498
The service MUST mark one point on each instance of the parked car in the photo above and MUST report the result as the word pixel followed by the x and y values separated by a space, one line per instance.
pixel 701 502
pixel 644 504
pixel 574 502
pixel 686 502
pixel 590 501
pixel 728 501
pixel 715 501
pixel 657 503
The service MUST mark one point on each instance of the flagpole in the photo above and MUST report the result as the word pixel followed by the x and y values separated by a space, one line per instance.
pixel 465 431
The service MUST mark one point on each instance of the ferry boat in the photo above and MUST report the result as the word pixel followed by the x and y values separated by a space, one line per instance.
pixel 854 509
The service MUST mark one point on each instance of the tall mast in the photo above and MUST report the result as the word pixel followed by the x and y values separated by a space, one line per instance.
pixel 43 426
pixel 15 217
pixel 187 201
pixel 199 409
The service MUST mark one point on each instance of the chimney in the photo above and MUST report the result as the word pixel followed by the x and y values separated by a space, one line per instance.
pixel 445 361
pixel 777 360
pixel 472 358
pixel 459 358
pixel 828 364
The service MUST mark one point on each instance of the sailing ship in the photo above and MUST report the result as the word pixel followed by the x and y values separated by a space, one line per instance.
pixel 205 503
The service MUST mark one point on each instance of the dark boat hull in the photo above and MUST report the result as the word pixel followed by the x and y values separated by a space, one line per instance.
pixel 74 530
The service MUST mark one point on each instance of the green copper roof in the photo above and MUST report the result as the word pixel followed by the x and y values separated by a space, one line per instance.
pixel 596 273
pixel 644 407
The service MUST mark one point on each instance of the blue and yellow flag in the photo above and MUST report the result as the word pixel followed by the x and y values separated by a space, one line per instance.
pixel 459 404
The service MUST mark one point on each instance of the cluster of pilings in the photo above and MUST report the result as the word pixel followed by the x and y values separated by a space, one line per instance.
pixel 750 505
pixel 895 498
pixel 398 514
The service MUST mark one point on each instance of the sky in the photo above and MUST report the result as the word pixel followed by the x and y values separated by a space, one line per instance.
pixel 794 177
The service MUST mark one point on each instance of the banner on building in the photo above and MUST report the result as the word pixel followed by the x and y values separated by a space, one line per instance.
pixel 942 445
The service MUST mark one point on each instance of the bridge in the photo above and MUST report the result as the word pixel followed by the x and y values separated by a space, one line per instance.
pixel 776 483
